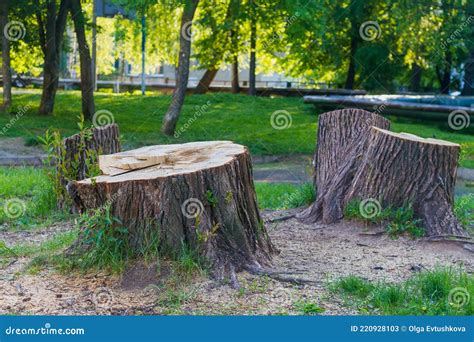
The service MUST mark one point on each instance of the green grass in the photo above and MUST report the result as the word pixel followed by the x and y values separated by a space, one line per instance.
pixel 26 196
pixel 308 308
pixel 398 221
pixel 283 195
pixel 54 244
pixel 464 211
pixel 215 116
pixel 442 291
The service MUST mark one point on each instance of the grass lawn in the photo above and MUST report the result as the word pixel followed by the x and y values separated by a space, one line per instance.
pixel 217 116
pixel 442 291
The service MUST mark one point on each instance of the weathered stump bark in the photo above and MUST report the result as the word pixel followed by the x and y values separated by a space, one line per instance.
pixel 201 194
pixel 342 136
pixel 80 153
pixel 357 159
pixel 400 169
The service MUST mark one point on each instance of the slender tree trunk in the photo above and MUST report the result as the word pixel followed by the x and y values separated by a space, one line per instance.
pixel 416 73
pixel 51 35
pixel 352 64
pixel 6 69
pixel 171 118
pixel 235 62
pixel 253 46
pixel 205 81
pixel 235 76
pixel 87 82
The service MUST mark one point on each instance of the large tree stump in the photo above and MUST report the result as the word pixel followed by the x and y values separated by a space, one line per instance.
pixel 341 133
pixel 400 169
pixel 78 155
pixel 370 163
pixel 201 194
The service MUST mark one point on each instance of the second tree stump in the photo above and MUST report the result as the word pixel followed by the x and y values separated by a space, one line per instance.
pixel 358 159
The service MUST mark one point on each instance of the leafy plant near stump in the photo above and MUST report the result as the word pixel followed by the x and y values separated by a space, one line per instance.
pixel 398 220
pixel 67 167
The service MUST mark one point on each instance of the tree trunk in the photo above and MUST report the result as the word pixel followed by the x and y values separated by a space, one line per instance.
pixel 199 194
pixel 6 69
pixel 172 115
pixel 235 76
pixel 205 81
pixel 80 155
pixel 51 36
pixel 352 64
pixel 253 48
pixel 87 82
pixel 416 72
pixel 358 159
pixel 235 61
pixel 340 133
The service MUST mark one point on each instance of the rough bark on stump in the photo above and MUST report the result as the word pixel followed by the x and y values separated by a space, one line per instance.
pixel 356 160
pixel 201 194
pixel 80 151
pixel 341 133
pixel 399 169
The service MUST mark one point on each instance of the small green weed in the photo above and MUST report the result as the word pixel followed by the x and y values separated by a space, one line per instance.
pixel 398 220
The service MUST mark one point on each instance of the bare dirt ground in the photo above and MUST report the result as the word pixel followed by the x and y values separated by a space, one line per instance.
pixel 310 256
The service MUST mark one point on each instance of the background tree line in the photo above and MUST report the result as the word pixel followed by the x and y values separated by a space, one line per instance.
pixel 381 46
